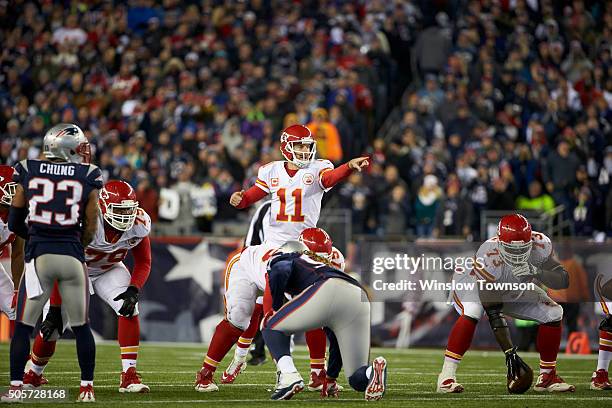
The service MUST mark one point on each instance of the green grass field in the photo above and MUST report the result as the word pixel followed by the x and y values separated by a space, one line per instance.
pixel 170 371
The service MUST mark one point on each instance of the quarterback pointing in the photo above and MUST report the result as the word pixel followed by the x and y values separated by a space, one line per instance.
pixel 295 187
pixel 122 227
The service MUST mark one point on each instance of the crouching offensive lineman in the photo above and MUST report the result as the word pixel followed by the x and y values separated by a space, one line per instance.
pixel 122 227
pixel 322 297
pixel 516 255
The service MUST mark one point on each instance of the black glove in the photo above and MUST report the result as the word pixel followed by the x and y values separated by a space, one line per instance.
pixel 130 298
pixel 52 322
pixel 515 364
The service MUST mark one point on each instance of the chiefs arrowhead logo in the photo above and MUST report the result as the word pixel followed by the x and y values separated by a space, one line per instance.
pixel 308 179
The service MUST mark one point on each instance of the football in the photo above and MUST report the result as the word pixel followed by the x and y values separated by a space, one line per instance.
pixel 523 383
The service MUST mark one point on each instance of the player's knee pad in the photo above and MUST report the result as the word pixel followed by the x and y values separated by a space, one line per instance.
pixel 606 324
pixel 473 310
pixel 239 302
pixel 553 314
pixel 359 380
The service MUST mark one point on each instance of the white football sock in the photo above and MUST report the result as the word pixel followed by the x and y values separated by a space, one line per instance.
pixel 285 365
pixel 603 359
pixel 241 352
pixel 38 369
pixel 449 368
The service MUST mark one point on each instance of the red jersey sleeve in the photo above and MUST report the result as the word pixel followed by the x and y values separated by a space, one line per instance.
pixel 142 263
pixel 330 178
pixel 251 196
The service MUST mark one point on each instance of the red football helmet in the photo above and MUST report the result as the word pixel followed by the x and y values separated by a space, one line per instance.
pixel 118 204
pixel 294 135
pixel 7 186
pixel 514 235
pixel 318 241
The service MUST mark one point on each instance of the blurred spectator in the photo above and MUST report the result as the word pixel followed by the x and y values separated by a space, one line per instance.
pixel 433 46
pixel 454 213
pixel 426 204
pixel 326 134
pixel 560 173
pixel 537 200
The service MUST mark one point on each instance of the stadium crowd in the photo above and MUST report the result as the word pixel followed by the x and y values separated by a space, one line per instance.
pixel 508 104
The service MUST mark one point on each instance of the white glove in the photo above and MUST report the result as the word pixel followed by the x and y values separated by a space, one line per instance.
pixel 525 270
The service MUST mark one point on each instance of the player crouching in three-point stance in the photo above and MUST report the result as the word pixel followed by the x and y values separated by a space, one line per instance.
pixel 603 289
pixel 296 187
pixel 319 242
pixel 322 297
pixel 59 198
pixel 122 226
pixel 515 255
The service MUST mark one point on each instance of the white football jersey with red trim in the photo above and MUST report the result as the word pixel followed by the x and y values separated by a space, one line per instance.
pixel 101 255
pixel 296 201
pixel 6 236
pixel 494 269
pixel 252 263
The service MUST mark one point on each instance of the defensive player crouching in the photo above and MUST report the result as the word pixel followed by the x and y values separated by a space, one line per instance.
pixel 122 226
pixel 322 297
pixel 8 283
pixel 319 242
pixel 517 255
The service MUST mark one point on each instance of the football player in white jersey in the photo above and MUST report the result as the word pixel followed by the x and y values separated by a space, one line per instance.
pixel 295 187
pixel 9 283
pixel 317 241
pixel 122 227
pixel 603 292
pixel 516 255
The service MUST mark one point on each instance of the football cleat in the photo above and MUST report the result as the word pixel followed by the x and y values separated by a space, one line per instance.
pixel 551 382
pixel 130 382
pixel 12 395
pixel 287 385
pixel 233 370
pixel 32 380
pixel 86 394
pixel 204 381
pixel 330 388
pixel 378 382
pixel 600 381
pixel 448 385
pixel 317 381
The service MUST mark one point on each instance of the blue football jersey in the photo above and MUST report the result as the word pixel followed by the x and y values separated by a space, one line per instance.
pixel 57 195
pixel 292 273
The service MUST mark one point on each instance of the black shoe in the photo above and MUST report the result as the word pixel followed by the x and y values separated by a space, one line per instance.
pixel 257 360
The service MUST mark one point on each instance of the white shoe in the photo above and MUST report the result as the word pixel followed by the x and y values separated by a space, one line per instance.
pixel 287 385
pixel 237 366
pixel 378 382
pixel 448 384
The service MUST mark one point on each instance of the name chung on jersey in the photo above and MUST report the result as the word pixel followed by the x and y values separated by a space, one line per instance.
pixel 55 170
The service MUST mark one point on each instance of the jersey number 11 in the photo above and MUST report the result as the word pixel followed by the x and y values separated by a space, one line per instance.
pixel 297 215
